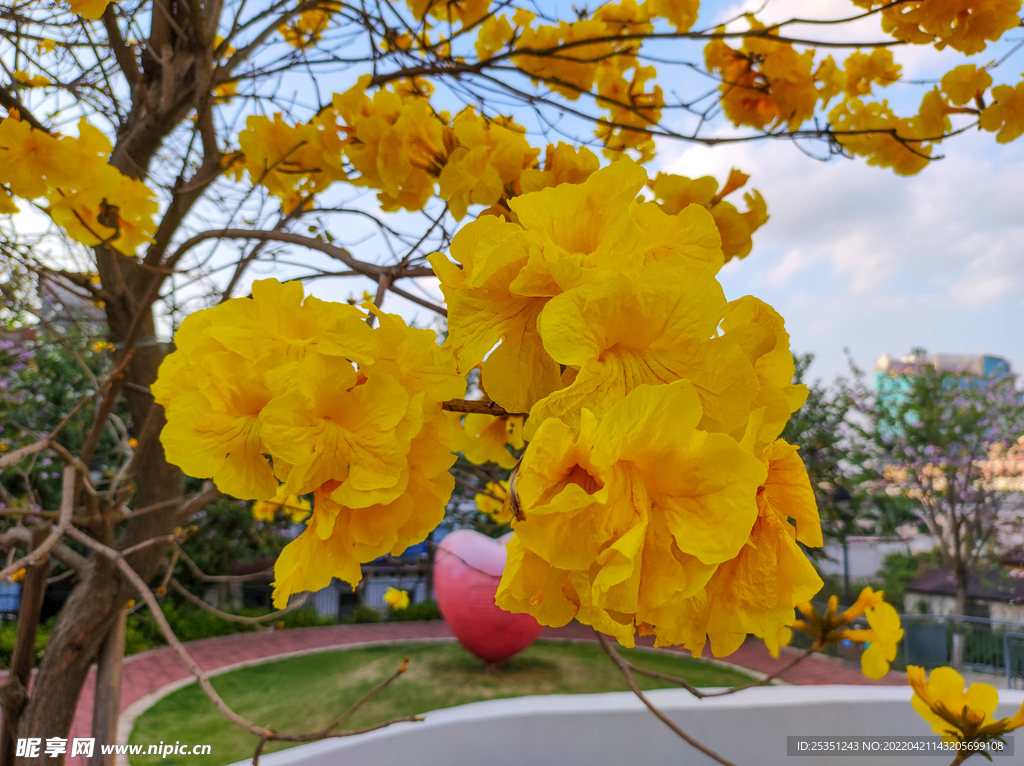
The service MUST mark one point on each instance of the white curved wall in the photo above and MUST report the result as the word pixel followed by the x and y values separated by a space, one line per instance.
pixel 749 728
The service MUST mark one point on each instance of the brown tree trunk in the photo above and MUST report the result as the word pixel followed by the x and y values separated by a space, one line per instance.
pixel 960 574
pixel 101 593
pixel 107 707
pixel 14 693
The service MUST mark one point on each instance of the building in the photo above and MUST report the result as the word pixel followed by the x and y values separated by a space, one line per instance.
pixel 991 593
pixel 980 365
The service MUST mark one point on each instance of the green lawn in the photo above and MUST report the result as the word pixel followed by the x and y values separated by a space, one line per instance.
pixel 302 694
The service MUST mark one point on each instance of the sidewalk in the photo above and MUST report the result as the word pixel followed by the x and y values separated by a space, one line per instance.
pixel 147 672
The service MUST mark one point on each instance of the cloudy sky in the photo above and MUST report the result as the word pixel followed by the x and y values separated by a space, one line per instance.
pixel 857 257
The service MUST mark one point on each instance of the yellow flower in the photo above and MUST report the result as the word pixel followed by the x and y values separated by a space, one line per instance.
pixel 31 81
pixel 495 502
pixel 133 442
pixel 679 13
pixel 297 507
pixel 674 193
pixel 964 25
pixel 18 576
pixel 1006 115
pixel 656 328
pixel 884 634
pixel 490 158
pixel 863 69
pixel 101 345
pixel 396 599
pixel 563 164
pixel 871 126
pixel 965 82
pixel 756 591
pixel 620 532
pixel 959 716
pixel 485 438
pixel 287 413
pixel 88 9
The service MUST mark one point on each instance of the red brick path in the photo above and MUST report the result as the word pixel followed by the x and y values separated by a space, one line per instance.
pixel 145 673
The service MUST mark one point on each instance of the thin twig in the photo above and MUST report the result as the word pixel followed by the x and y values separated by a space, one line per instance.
pixel 41 553
pixel 624 667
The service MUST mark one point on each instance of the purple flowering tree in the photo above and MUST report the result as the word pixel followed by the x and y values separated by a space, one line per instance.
pixel 933 433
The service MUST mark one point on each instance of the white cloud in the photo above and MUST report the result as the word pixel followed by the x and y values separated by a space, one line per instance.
pixel 857 256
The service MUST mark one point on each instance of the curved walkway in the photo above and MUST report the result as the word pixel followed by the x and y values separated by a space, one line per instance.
pixel 146 673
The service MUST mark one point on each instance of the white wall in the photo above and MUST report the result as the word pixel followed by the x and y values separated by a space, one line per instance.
pixel 749 728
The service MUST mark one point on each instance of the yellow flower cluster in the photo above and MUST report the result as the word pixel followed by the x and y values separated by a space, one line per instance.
pixel 31 80
pixel 884 631
pixel 86 196
pixel 487 164
pixel 964 25
pixel 293 162
pixel 872 130
pixel 673 193
pixel 309 25
pixel 466 12
pixel 765 83
pixel 344 412
pixel 655 492
pixel 561 57
pixel 956 715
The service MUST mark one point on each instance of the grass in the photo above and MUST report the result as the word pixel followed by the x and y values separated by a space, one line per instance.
pixel 305 693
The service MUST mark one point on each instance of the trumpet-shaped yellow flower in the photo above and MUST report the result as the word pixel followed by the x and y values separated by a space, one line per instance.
pixel 883 635
pixel 495 502
pixel 485 438
pixel 765 83
pixel 674 193
pixel 1006 114
pixel 756 591
pixel 396 599
pixel 563 164
pixel 959 716
pixel 298 508
pixel 89 198
pixel 863 69
pixel 965 82
pixel 657 328
pixel 628 514
pixel 759 330
pixel 489 160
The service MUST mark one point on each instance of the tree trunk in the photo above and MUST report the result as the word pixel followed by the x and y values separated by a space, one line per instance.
pixel 13 695
pixel 107 707
pixel 960 574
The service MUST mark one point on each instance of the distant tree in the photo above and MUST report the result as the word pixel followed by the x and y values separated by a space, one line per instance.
pixel 932 433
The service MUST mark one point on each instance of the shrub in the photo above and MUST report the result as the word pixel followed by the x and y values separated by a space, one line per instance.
pixel 423 610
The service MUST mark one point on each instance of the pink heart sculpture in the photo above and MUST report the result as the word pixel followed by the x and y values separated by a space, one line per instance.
pixel 467 569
